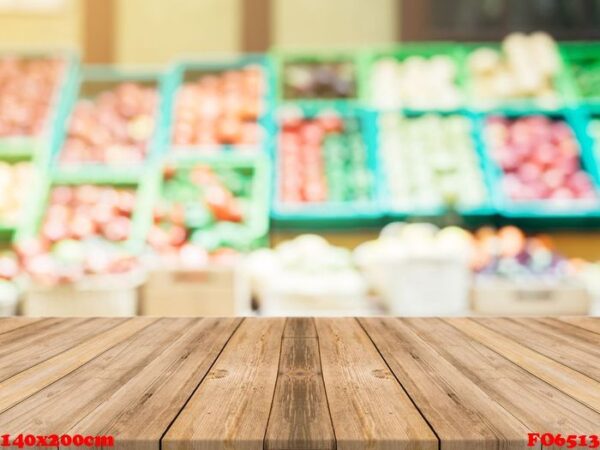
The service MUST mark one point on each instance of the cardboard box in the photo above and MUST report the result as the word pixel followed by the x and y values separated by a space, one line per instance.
pixel 95 296
pixel 503 297
pixel 214 291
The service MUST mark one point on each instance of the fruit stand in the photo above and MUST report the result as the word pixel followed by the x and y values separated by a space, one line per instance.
pixel 168 178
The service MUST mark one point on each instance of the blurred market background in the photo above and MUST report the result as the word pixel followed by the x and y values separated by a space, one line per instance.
pixel 285 157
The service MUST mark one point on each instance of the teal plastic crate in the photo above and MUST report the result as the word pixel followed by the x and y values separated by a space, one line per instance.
pixel 18 148
pixel 562 83
pixel 369 58
pixel 480 214
pixel 37 209
pixel 283 57
pixel 193 68
pixel 255 166
pixel 552 214
pixel 577 55
pixel 91 81
pixel 333 215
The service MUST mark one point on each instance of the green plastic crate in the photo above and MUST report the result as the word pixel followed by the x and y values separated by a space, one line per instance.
pixel 91 81
pixel 333 215
pixel 283 57
pixel 562 83
pixel 255 166
pixel 580 53
pixel 35 147
pixel 535 212
pixel 192 68
pixel 480 214
pixel 37 210
pixel 401 52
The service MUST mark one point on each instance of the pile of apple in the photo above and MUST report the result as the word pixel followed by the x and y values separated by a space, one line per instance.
pixel 115 128
pixel 221 109
pixel 322 159
pixel 80 235
pixel 416 83
pixel 15 181
pixel 200 215
pixel 524 68
pixel 540 158
pixel 509 253
pixel 430 161
pixel 27 90
pixel 319 80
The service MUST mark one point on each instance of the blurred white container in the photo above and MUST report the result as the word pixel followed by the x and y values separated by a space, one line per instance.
pixel 419 270
pixel 328 294
pixel 114 295
pixel 9 299
pixel 426 286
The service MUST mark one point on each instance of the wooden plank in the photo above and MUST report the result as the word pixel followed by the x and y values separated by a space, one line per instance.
pixel 299 414
pixel 300 327
pixel 230 409
pixel 61 405
pixel 44 345
pixel 557 343
pixel 463 416
pixel 26 383
pixel 535 403
pixel 141 409
pixel 587 323
pixel 23 336
pixel 369 408
pixel 256 25
pixel 573 383
pixel 12 323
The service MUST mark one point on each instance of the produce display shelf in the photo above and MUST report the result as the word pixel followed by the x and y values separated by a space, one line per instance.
pixel 91 81
pixel 559 214
pixel 368 58
pixel 190 68
pixel 30 227
pixel 469 216
pixel 35 147
pixel 283 57
pixel 255 166
pixel 333 215
pixel 575 53
pixel 562 82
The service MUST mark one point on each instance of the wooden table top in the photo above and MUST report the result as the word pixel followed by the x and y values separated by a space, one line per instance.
pixel 377 383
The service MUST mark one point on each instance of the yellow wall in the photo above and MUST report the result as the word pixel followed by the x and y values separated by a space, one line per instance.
pixel 60 28
pixel 155 31
pixel 333 23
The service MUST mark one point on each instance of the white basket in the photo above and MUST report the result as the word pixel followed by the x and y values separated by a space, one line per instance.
pixel 95 296
pixel 427 286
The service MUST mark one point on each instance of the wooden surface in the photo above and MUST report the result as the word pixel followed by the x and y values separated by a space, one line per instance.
pixel 279 384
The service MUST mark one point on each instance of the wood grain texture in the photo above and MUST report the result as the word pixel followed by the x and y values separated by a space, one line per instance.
pixel 302 383
pixel 369 409
pixel 25 383
pixel 12 323
pixel 587 323
pixel 580 387
pixel 462 414
pixel 552 339
pixel 141 409
pixel 230 409
pixel 532 401
pixel 299 414
pixel 39 346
